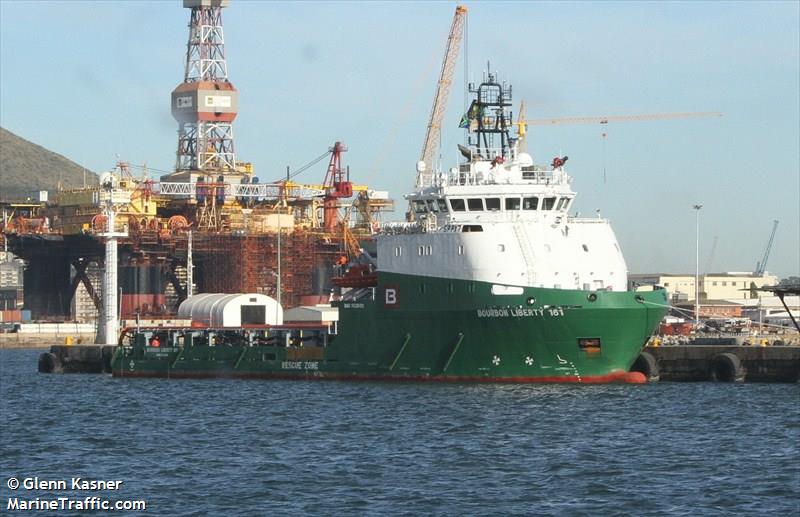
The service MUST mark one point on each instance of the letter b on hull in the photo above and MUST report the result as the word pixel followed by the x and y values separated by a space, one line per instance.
pixel 390 297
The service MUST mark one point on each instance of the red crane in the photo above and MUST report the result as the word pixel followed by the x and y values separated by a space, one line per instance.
pixel 337 185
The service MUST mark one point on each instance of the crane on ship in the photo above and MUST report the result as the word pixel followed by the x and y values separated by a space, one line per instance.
pixel 430 146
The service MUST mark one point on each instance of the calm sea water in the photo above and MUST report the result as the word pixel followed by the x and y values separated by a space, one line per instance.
pixel 225 447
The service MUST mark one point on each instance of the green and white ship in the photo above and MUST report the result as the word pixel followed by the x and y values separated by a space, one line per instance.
pixel 492 281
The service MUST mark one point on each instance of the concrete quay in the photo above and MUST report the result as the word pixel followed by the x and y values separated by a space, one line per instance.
pixel 720 363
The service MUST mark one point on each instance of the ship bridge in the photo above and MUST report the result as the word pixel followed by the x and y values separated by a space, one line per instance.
pixel 494 190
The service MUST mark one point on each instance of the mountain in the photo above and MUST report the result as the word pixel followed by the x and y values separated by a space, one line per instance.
pixel 26 168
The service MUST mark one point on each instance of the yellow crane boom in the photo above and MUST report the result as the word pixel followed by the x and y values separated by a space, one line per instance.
pixel 616 118
pixel 433 135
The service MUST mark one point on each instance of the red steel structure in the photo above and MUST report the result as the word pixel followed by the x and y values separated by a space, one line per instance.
pixel 205 104
pixel 337 185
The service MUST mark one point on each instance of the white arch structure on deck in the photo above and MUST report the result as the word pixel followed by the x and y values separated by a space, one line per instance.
pixel 226 310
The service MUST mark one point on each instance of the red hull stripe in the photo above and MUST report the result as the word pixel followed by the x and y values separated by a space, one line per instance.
pixel 615 377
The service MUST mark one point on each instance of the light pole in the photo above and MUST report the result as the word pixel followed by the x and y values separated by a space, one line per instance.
pixel 697 267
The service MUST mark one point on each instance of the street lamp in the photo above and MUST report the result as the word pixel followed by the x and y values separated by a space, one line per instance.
pixel 697 267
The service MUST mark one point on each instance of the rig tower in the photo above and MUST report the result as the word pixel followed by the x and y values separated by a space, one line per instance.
pixel 205 103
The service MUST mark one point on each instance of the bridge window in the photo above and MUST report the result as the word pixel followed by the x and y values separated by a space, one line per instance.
pixel 419 206
pixel 457 205
pixel 493 203
pixel 432 206
pixel 548 203
pixel 472 228
pixel 442 205
pixel 475 204
pixel 563 203
pixel 530 203
pixel 512 203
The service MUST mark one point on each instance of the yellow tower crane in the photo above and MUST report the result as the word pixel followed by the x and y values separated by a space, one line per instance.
pixel 611 118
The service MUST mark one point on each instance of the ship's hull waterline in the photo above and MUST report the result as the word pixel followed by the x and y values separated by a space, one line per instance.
pixel 428 329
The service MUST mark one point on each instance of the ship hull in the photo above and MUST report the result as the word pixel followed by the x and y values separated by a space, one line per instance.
pixel 427 329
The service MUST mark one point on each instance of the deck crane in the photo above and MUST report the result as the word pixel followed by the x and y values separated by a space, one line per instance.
pixel 425 167
pixel 761 266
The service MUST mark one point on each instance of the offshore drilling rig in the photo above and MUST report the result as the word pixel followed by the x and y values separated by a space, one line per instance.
pixel 209 226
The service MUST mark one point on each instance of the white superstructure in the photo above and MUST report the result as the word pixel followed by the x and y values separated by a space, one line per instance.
pixel 499 218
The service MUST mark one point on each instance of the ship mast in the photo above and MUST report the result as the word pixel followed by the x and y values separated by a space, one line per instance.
pixel 489 118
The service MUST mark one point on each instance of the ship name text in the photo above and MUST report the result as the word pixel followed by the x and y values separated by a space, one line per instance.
pixel 300 365
pixel 520 312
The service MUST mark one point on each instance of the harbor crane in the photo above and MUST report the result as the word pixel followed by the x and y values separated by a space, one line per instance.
pixel 761 266
pixel 433 136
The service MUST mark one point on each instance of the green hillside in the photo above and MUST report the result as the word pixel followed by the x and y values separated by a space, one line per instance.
pixel 26 168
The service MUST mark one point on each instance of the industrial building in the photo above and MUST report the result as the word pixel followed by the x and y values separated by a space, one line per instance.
pixel 211 226
pixel 713 286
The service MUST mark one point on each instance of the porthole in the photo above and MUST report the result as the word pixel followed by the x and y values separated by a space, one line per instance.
pixel 592 297
pixel 531 300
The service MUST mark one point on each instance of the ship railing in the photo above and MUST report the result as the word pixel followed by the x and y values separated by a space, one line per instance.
pixel 467 175
pixel 395 228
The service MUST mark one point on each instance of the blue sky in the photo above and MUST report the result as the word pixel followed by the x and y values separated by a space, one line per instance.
pixel 92 80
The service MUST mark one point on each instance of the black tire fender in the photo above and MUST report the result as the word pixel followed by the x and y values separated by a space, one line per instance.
pixel 49 363
pixel 647 364
pixel 727 367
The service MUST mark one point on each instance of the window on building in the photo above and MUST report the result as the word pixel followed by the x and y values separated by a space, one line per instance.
pixel 585 248
pixel 512 203
pixel 724 284
pixel 475 204
pixel 492 203
pixel 713 283
pixel 398 251
pixel 530 203
pixel 420 250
